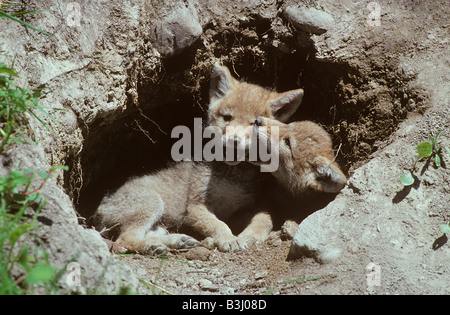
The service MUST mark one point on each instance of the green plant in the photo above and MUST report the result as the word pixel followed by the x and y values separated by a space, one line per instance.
pixel 19 203
pixel 13 16
pixel 436 148
pixel 425 150
pixel 19 207
pixel 15 102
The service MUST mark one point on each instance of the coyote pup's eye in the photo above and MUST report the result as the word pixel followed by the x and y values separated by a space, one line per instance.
pixel 227 117
pixel 287 142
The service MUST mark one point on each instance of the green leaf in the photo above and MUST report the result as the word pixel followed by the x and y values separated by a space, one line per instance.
pixel 57 167
pixel 18 178
pixel 425 149
pixel 445 227
pixel 437 160
pixel 43 175
pixel 438 135
pixel 35 197
pixel 407 179
pixel 40 273
pixel 17 232
pixel 4 69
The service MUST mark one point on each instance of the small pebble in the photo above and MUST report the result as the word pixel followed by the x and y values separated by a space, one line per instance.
pixel 261 274
pixel 207 285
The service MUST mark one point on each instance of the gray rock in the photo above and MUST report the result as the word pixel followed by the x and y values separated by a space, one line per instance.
pixel 308 241
pixel 277 243
pixel 176 32
pixel 260 274
pixel 207 285
pixel 68 242
pixel 309 20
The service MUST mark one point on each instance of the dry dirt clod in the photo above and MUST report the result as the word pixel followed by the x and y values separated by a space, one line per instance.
pixel 198 253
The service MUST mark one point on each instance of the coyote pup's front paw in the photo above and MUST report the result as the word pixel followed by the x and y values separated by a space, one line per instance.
pixel 157 250
pixel 172 242
pixel 246 241
pixel 232 244
pixel 180 241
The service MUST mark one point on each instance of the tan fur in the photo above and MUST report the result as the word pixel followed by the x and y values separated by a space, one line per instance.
pixel 306 157
pixel 237 104
pixel 202 195
pixel 199 195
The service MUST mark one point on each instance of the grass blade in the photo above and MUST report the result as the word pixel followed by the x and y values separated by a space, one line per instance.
pixel 3 13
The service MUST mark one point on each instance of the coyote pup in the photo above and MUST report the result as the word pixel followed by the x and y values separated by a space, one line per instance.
pixel 200 195
pixel 306 157
pixel 306 164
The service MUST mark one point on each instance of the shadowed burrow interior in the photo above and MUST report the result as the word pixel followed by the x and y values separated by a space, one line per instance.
pixel 337 96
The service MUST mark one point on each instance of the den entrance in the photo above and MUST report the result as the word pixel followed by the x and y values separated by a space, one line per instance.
pixel 337 96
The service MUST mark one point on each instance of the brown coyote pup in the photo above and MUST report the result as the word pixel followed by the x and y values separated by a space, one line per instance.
pixel 306 157
pixel 200 194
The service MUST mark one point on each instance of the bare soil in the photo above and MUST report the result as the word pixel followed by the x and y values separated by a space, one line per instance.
pixel 262 269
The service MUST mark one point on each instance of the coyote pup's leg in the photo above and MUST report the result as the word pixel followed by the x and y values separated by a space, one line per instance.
pixel 138 218
pixel 205 222
pixel 257 231
pixel 155 242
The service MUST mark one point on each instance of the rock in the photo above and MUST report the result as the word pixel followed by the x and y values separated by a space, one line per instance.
pixel 309 20
pixel 273 237
pixel 61 64
pixel 207 285
pixel 67 241
pixel 198 253
pixel 176 32
pixel 229 291
pixel 260 274
pixel 141 272
pixel 277 243
pixel 309 242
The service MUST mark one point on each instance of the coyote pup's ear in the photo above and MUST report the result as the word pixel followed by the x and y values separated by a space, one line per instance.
pixel 221 82
pixel 285 105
